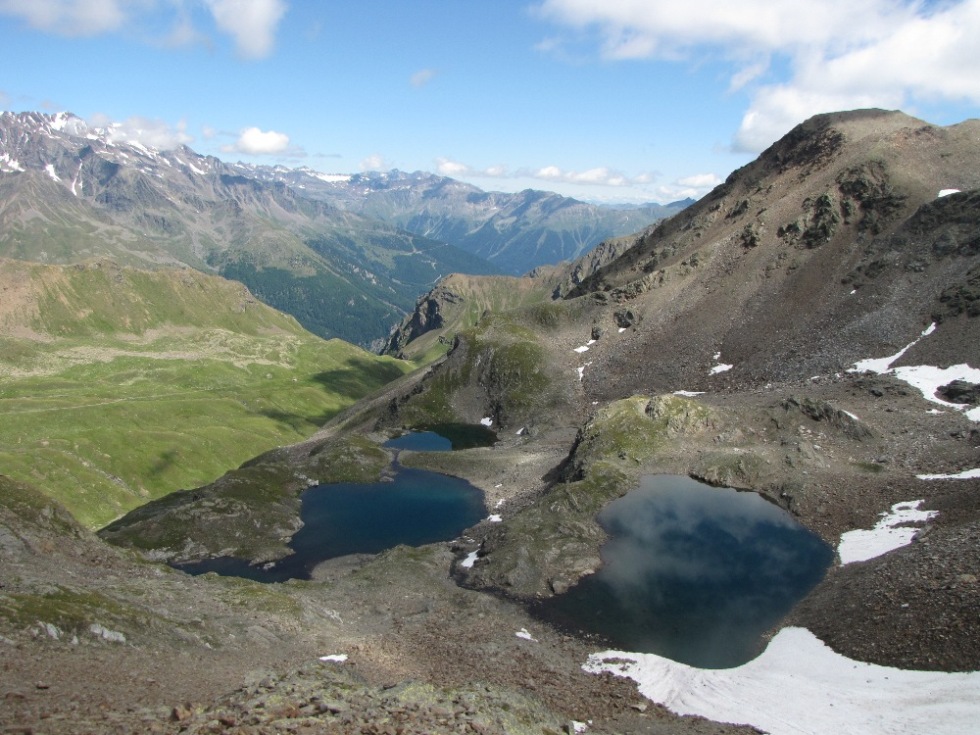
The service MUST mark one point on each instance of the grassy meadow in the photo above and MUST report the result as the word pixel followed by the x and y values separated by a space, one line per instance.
pixel 104 418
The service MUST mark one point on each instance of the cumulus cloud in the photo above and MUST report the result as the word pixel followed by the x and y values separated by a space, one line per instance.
pixel 448 167
pixel 600 176
pixel 255 142
pixel 252 23
pixel 374 162
pixel 422 77
pixel 455 169
pixel 841 54
pixel 153 133
pixel 700 181
pixel 69 17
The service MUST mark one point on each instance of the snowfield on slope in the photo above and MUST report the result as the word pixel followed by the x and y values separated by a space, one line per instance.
pixel 891 532
pixel 799 686
pixel 927 379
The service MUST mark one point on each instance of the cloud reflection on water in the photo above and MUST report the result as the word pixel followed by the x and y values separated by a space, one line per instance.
pixel 693 572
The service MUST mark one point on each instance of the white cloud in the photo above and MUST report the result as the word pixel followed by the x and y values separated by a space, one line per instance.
pixel 374 162
pixel 255 142
pixel 599 176
pixel 700 181
pixel 448 167
pixel 841 54
pixel 422 77
pixel 456 169
pixel 552 173
pixel 252 23
pixel 69 17
pixel 146 131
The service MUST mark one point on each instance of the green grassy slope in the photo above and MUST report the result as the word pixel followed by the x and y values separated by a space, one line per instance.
pixel 119 386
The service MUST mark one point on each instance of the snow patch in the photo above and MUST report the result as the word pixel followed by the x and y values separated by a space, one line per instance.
pixel 926 378
pixel 51 172
pixel 337 658
pixel 523 633
pixel 486 421
pixel 946 192
pixel 11 163
pixel 688 393
pixel 469 561
pixel 585 347
pixel 863 544
pixel 964 475
pixel 799 686
pixel 720 368
pixel 495 518
pixel 77 182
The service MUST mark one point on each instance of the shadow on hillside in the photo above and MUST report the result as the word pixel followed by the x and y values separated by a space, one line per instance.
pixel 358 378
pixel 164 462
pixel 297 422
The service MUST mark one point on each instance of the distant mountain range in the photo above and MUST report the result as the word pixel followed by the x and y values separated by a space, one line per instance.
pixel 348 258
pixel 516 232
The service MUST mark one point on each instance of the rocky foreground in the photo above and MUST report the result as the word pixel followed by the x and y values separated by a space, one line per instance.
pixel 96 640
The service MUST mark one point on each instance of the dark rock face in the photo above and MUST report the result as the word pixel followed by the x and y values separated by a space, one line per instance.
pixel 822 411
pixel 426 317
pixel 961 298
pixel 960 391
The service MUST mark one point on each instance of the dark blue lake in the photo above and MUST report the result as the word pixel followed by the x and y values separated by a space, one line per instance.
pixel 442 437
pixel 420 441
pixel 417 507
pixel 694 573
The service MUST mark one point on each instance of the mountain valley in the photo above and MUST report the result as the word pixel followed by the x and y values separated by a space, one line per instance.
pixel 339 256
pixel 516 232
pixel 807 331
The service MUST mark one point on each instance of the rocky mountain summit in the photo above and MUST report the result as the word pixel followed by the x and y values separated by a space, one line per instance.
pixel 807 331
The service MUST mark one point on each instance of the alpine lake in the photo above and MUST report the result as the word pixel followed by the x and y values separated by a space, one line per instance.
pixel 412 507
pixel 695 573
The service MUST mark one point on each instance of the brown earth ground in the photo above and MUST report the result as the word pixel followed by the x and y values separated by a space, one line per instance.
pixel 211 654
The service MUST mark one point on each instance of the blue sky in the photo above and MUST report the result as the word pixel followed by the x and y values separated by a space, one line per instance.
pixel 619 100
